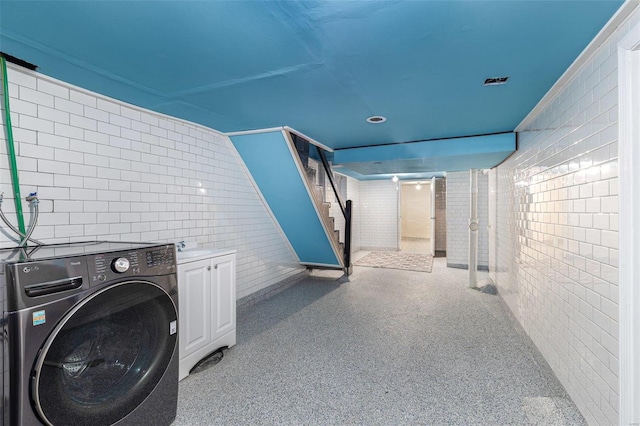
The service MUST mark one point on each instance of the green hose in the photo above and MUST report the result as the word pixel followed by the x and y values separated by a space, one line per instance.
pixel 12 150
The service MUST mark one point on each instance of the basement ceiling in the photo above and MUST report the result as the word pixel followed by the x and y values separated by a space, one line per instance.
pixel 320 67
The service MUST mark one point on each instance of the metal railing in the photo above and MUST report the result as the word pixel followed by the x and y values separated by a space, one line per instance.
pixel 309 152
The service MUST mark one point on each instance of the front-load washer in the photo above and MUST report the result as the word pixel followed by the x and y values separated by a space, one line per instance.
pixel 91 334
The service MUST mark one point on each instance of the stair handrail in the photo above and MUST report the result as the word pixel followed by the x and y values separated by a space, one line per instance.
pixel 344 207
pixel 327 169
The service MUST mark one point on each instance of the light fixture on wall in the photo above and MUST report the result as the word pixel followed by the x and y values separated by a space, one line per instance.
pixel 418 186
pixel 395 178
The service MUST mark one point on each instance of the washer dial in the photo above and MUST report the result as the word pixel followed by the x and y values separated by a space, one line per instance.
pixel 120 265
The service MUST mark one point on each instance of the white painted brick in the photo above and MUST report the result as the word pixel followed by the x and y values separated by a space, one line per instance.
pixel 119 142
pixel 62 129
pixel 130 113
pixel 100 138
pixel 21 78
pixel 108 106
pixel 95 183
pixel 140 126
pixel 65 181
pixel 24 135
pixel 36 151
pixel 205 155
pixel 53 219
pixel 567 159
pixel 68 106
pixel 120 121
pixel 63 231
pixel 35 178
pixel 54 89
pixel 82 218
pixel 610 204
pixel 96 114
pixel 47 166
pixel 64 206
pixel 26 108
pixel 69 156
pixel 609 239
pixel 149 119
pixel 82 98
pixel 39 98
pixel 83 123
pixel 108 129
pixel 36 124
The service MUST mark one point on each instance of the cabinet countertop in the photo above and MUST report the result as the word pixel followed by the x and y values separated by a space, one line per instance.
pixel 193 255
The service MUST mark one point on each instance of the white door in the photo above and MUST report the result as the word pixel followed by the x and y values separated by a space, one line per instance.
pixel 223 295
pixel 194 295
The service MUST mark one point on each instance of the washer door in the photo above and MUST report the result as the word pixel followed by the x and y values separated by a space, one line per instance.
pixel 105 356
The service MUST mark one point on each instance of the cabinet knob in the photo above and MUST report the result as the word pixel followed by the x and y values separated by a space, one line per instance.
pixel 209 268
pixel 216 266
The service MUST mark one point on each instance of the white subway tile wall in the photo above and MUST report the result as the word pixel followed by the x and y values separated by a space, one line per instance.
pixel 378 215
pixel 557 233
pixel 458 211
pixel 104 169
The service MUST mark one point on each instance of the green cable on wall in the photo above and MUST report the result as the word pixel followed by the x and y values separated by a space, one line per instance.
pixel 11 148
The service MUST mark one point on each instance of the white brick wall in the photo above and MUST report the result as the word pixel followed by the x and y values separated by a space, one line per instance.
pixel 557 226
pixel 107 170
pixel 458 210
pixel 378 213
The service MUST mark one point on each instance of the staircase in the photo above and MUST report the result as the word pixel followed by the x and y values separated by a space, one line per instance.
pixel 294 179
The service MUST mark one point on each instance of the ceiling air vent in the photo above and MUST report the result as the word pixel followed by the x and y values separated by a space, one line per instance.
pixel 496 81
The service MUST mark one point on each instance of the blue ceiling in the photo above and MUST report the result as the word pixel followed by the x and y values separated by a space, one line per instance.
pixel 321 67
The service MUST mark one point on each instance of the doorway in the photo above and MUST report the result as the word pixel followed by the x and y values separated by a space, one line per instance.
pixel 415 217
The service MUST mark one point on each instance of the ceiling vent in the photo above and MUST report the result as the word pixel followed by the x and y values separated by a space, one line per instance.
pixel 496 81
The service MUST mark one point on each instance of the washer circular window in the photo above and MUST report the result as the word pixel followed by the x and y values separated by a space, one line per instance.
pixel 106 355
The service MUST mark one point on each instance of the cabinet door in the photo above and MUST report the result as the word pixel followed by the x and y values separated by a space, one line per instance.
pixel 194 295
pixel 223 295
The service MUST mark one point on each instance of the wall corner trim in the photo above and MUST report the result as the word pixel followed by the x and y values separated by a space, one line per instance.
pixel 629 240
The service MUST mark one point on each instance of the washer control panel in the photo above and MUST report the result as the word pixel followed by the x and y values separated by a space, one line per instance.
pixel 160 257
pixel 108 266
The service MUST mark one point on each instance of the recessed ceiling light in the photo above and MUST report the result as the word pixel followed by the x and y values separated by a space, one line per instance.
pixel 496 81
pixel 375 119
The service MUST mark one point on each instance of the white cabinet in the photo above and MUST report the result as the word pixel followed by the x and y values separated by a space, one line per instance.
pixel 207 311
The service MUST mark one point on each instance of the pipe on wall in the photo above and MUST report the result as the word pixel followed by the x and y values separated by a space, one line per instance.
pixel 473 229
pixel 433 217
pixel 11 149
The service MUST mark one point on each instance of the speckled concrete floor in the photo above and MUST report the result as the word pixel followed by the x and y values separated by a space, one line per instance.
pixel 385 347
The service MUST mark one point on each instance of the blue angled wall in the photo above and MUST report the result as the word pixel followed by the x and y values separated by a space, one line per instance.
pixel 270 162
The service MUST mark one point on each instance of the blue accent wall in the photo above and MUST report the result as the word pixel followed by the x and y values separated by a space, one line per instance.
pixel 270 162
